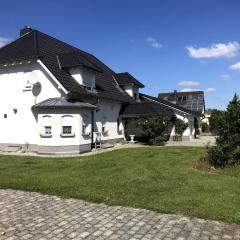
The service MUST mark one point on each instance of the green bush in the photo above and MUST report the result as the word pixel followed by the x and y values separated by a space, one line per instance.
pixel 180 126
pixel 158 141
pixel 153 128
pixel 205 127
pixel 227 149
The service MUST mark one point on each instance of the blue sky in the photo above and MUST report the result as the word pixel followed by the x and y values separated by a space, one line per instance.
pixel 166 44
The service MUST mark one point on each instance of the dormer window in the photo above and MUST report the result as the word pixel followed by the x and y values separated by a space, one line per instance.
pixel 136 96
pixel 88 77
pixel 84 77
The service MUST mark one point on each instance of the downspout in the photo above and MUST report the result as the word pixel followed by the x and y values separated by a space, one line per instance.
pixel 92 128
pixel 93 122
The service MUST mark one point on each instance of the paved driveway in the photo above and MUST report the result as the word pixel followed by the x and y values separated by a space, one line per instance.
pixel 25 215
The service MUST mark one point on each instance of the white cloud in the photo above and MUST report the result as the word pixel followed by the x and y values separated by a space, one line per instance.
pixel 188 90
pixel 235 66
pixel 153 42
pixel 188 83
pixel 208 90
pixel 225 77
pixel 4 41
pixel 218 50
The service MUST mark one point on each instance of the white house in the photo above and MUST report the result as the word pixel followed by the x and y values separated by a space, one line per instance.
pixel 57 99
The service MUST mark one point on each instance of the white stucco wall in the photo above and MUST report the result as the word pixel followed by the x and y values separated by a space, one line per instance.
pixel 56 121
pixel 189 132
pixel 21 127
pixel 107 115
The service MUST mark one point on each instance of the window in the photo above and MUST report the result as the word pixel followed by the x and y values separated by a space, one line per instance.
pixel 135 96
pixel 48 130
pixel 67 129
pixel 67 126
pixel 84 128
pixel 119 129
pixel 5 115
pixel 88 79
pixel 184 98
pixel 103 128
pixel 179 99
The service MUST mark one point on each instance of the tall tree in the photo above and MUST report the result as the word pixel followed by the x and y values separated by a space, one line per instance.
pixel 227 150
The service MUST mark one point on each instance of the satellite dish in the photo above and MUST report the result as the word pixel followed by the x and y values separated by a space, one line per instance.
pixel 36 89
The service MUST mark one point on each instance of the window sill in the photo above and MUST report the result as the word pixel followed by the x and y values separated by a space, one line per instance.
pixel 67 135
pixel 46 135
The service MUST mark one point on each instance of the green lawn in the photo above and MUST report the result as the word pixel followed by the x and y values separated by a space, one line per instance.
pixel 157 178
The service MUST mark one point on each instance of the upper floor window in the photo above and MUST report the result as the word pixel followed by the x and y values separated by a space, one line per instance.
pixel 135 95
pixel 48 130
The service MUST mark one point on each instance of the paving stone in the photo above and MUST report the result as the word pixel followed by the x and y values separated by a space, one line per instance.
pixel 27 215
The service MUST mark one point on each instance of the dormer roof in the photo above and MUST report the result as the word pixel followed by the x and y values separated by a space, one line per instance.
pixel 126 78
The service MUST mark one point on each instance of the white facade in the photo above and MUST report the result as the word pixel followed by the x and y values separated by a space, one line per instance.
pixel 20 125
pixel 25 84
pixel 17 122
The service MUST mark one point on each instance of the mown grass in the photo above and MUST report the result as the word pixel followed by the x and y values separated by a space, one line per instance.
pixel 161 179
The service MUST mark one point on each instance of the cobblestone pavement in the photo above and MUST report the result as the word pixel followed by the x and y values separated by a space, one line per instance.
pixel 25 215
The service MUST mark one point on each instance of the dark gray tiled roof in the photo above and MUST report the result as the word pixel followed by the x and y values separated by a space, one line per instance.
pixel 169 104
pixel 126 79
pixel 74 59
pixel 36 44
pixel 62 102
pixel 146 109
pixel 193 100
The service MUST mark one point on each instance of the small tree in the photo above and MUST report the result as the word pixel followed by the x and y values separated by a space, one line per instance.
pixel 180 126
pixel 153 128
pixel 227 149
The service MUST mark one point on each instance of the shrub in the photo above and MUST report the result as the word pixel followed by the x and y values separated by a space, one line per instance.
pixel 227 149
pixel 205 127
pixel 153 128
pixel 180 126
pixel 158 141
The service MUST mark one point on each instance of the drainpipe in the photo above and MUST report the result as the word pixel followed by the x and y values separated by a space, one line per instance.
pixel 92 128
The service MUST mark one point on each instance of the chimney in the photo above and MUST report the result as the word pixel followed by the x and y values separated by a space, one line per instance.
pixel 25 30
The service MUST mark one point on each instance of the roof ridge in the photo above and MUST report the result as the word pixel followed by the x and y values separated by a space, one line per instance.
pixel 13 41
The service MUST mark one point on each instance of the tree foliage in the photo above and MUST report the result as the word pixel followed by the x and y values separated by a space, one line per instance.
pixel 180 126
pixel 227 149
pixel 154 127
pixel 215 120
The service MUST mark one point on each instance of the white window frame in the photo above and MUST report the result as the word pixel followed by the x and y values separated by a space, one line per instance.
pixel 64 125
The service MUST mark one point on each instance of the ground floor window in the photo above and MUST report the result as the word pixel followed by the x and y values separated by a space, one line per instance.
pixel 67 129
pixel 48 130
